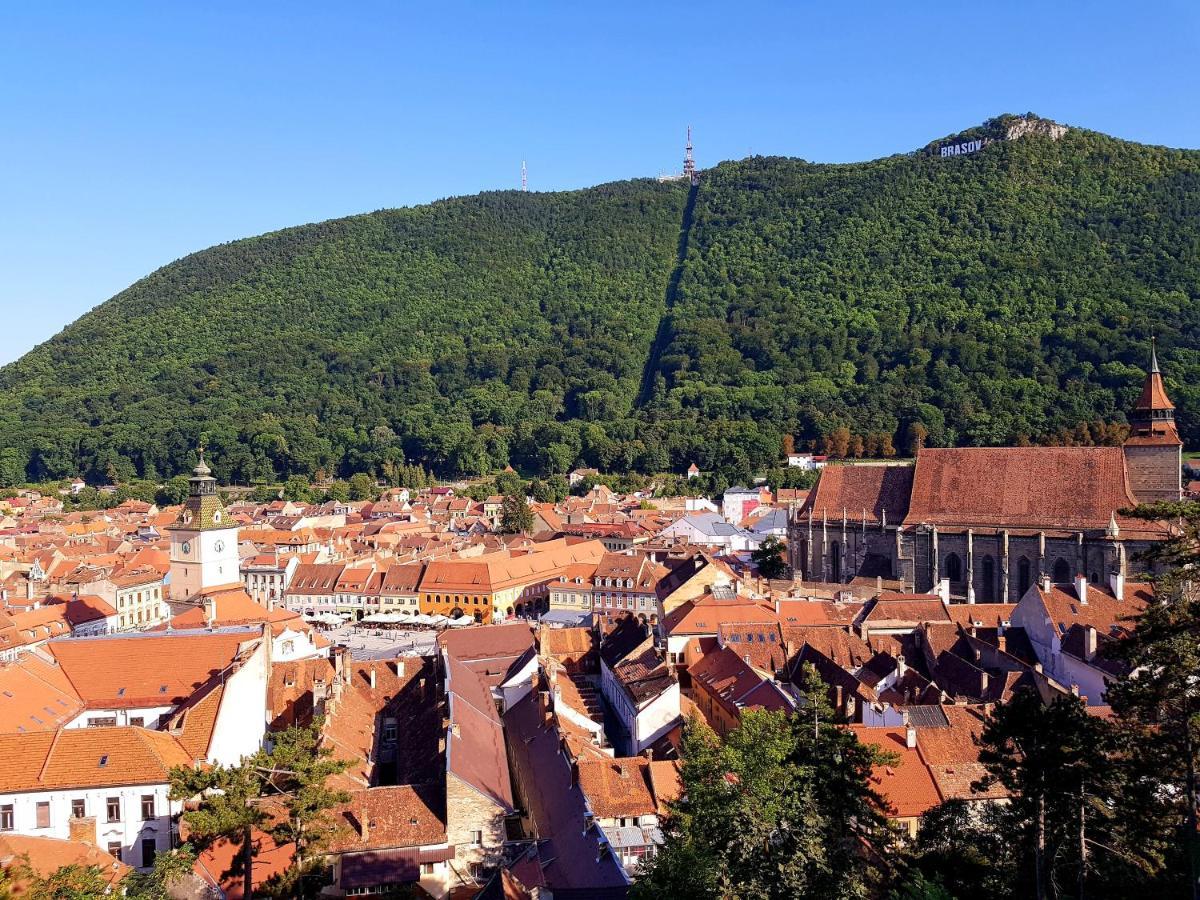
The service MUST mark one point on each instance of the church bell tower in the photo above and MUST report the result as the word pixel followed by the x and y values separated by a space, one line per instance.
pixel 204 540
pixel 1153 451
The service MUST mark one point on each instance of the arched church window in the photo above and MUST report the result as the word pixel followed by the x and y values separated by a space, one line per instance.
pixel 835 556
pixel 1023 576
pixel 1062 571
pixel 953 569
pixel 989 579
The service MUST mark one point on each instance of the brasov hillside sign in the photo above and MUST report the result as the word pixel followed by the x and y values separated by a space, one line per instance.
pixel 963 148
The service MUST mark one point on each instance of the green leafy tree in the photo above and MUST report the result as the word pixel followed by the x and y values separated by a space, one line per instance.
pixel 290 775
pixel 296 771
pixel 362 486
pixel 965 851
pixel 174 492
pixel 1159 698
pixel 230 809
pixel 780 809
pixel 770 559
pixel 515 515
pixel 297 488
pixel 1056 761
pixel 170 870
pixel 12 467
pixel 339 491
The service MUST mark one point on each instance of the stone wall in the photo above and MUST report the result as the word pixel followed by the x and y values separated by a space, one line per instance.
pixel 468 811
pixel 1154 471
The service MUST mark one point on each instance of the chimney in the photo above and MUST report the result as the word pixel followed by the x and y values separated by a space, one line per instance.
pixel 341 664
pixel 1046 583
pixel 1037 667
pixel 1089 643
pixel 372 677
pixel 364 826
pixel 901 666
pixel 28 588
pixel 454 729
pixel 82 829
pixel 983 682
pixel 1002 642
pixel 1074 690
pixel 1081 588
pixel 910 736
pixel 622 770
pixel 1116 582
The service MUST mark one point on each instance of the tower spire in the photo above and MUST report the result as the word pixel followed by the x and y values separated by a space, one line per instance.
pixel 1153 354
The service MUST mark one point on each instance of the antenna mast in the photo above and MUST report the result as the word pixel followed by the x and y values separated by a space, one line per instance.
pixel 689 164
pixel 524 177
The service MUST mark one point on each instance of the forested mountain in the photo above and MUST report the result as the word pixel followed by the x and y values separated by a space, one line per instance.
pixel 1005 295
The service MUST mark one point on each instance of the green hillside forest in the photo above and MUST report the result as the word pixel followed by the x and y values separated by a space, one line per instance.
pixel 1002 296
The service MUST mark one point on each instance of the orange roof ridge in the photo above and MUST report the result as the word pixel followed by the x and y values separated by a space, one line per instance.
pixel 49 754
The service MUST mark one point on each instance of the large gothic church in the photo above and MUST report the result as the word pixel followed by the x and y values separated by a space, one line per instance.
pixel 991 521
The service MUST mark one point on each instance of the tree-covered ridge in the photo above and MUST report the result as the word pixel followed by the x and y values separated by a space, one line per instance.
pixel 469 315
pixel 998 297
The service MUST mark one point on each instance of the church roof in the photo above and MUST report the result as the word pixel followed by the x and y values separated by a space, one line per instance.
pixel 1031 487
pixel 858 488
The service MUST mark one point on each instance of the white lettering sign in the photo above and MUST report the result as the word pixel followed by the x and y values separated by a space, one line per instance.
pixel 960 149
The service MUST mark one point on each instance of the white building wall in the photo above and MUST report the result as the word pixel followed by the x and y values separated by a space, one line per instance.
pixel 130 831
pixel 656 718
pixel 151 716
pixel 242 716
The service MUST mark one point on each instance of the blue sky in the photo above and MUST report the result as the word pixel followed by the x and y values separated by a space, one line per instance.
pixel 134 134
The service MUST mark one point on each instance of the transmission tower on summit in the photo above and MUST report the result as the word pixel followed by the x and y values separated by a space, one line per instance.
pixel 524 177
pixel 689 164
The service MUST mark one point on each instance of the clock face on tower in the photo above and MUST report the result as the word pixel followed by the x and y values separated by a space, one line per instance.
pixel 187 548
pixel 219 546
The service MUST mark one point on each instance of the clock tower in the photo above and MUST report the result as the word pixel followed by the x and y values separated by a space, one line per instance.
pixel 204 540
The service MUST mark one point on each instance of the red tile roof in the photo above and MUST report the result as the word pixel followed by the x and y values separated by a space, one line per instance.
pixel 87 757
pixel 46 855
pixel 618 788
pixel 160 669
pixel 906 784
pixel 878 490
pixel 1035 487
pixel 35 695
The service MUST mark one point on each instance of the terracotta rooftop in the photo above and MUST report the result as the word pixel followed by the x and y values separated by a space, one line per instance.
pixel 906 784
pixel 405 815
pixel 87 757
pixel 35 695
pixel 570 852
pixel 147 669
pixel 46 855
pixel 1102 611
pixel 618 788
pixel 1050 487
pixel 877 490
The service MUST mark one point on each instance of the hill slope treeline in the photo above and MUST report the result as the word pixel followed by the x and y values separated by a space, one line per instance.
pixel 998 297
